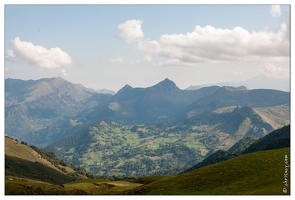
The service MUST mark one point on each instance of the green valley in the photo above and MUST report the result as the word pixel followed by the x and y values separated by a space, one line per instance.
pixel 110 148
pixel 260 172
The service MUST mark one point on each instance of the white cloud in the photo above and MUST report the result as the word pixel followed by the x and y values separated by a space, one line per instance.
pixel 234 73
pixel 130 31
pixel 121 60
pixel 209 44
pixel 275 11
pixel 64 72
pixel 147 59
pixel 269 69
pixel 27 52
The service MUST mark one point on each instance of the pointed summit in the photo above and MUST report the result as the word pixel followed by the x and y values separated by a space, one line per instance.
pixel 124 93
pixel 166 85
pixel 125 88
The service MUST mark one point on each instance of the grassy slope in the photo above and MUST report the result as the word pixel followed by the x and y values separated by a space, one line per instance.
pixel 149 179
pixel 23 161
pixel 255 173
pixel 98 187
pixel 34 170
pixel 277 116
pixel 18 150
pixel 21 186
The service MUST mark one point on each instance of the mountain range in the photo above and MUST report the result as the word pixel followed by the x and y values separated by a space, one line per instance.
pixel 108 134
pixel 218 138
pixel 257 82
pixel 46 110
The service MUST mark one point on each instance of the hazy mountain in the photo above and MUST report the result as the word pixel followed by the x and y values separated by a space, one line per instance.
pixel 161 103
pixel 103 91
pixel 240 96
pixel 36 104
pixel 257 82
pixel 165 102
pixel 47 110
pixel 106 91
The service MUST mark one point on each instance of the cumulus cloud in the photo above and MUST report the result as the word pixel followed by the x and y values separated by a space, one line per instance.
pixel 27 52
pixel 269 69
pixel 121 60
pixel 131 31
pixel 209 44
pixel 275 11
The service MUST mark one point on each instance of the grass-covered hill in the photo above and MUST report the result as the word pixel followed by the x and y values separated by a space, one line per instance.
pixel 244 120
pixel 255 173
pixel 241 145
pixel 33 171
pixel 109 148
pixel 279 138
pixel 22 186
pixel 252 173
pixel 30 162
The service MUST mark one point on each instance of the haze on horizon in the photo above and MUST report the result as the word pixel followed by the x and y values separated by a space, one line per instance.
pixel 109 46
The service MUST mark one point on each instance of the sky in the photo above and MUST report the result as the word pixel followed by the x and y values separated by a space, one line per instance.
pixel 109 46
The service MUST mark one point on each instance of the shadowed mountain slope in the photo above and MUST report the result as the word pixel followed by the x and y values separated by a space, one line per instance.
pixel 230 96
pixel 34 105
pixel 23 161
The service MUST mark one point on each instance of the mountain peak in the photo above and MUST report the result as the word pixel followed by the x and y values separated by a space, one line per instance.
pixel 125 88
pixel 167 81
pixel 166 84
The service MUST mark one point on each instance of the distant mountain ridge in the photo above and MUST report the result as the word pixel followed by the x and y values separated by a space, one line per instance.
pixel 161 103
pixel 36 104
pixel 103 91
pixel 166 103
pixel 46 110
pixel 228 96
pixel 257 82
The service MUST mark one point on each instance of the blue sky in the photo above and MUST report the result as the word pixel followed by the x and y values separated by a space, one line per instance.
pixel 108 46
